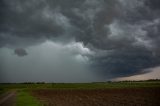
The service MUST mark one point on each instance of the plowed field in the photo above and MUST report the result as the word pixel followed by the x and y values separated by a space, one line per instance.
pixel 99 97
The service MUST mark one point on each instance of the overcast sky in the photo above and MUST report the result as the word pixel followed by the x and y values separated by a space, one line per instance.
pixel 79 40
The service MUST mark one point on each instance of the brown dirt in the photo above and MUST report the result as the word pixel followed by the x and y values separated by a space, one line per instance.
pixel 100 97
pixel 8 99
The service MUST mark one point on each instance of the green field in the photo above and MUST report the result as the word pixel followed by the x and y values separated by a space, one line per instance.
pixel 24 94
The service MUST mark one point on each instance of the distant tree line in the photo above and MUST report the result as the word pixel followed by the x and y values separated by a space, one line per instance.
pixel 91 82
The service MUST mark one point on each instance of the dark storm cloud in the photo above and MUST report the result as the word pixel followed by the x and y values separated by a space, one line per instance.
pixel 20 52
pixel 153 4
pixel 125 62
pixel 37 19
pixel 123 34
pixel 133 40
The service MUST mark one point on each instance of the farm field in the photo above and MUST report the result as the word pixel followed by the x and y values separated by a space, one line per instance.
pixel 140 93
pixel 100 97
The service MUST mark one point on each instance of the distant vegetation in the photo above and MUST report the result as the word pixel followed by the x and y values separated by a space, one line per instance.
pixel 93 85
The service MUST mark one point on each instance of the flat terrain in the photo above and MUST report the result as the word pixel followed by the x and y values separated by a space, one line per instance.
pixel 100 97
pixel 140 93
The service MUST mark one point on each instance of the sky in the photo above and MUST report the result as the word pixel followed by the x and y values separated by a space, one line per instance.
pixel 79 40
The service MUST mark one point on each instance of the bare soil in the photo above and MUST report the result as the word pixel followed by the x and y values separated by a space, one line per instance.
pixel 100 97
pixel 8 99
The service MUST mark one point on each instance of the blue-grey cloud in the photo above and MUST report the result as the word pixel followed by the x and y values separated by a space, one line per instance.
pixel 20 52
pixel 122 34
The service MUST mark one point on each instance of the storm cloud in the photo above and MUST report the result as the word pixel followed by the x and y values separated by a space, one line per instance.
pixel 120 37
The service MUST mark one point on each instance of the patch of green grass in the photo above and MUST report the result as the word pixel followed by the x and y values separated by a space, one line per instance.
pixel 25 99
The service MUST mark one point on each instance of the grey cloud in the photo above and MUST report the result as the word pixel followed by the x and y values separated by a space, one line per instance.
pixel 129 30
pixel 125 62
pixel 24 19
pixel 20 52
pixel 133 41
pixel 82 20
pixel 153 4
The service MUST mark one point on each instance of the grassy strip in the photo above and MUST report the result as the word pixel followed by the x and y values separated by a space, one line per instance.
pixel 25 99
